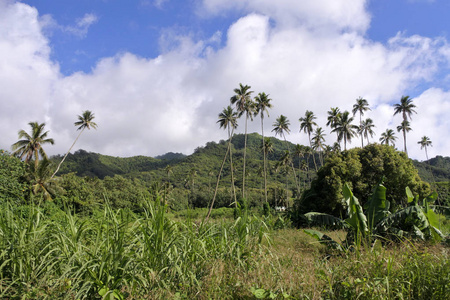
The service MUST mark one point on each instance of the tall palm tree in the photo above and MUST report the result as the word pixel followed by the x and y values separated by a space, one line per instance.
pixel 228 120
pixel 388 137
pixel 244 104
pixel 361 106
pixel 366 129
pixel 41 181
pixel 262 102
pixel 281 126
pixel 306 124
pixel 85 120
pixel 334 114
pixel 345 129
pixel 406 108
pixel 318 141
pixel 30 145
pixel 299 151
pixel 404 127
pixel 424 143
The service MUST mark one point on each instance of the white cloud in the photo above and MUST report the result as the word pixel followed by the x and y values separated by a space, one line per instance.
pixel 149 106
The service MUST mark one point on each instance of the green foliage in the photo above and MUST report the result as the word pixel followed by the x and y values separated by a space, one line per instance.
pixel 12 178
pixel 363 169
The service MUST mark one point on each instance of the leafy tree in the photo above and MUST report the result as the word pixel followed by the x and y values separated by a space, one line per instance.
pixel 244 104
pixel 406 109
pixel 365 129
pixel 424 143
pixel 363 169
pixel 361 106
pixel 262 102
pixel 12 178
pixel 85 120
pixel 306 124
pixel 345 129
pixel 388 137
pixel 404 127
pixel 31 144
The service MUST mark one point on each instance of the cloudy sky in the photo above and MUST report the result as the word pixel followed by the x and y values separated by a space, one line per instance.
pixel 157 73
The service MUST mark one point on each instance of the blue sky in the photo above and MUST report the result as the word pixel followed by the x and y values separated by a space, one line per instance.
pixel 157 73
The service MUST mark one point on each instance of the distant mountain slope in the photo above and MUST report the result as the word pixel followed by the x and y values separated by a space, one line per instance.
pixel 207 159
pixel 438 167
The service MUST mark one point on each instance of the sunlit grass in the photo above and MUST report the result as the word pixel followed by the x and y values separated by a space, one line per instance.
pixel 119 255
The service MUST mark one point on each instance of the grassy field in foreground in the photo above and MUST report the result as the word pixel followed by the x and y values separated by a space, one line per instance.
pixel 119 255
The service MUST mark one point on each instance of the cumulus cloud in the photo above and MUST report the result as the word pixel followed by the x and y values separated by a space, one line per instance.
pixel 306 55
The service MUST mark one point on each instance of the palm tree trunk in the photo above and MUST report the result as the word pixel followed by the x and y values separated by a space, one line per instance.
pixel 245 152
pixel 264 158
pixel 314 157
pixel 60 163
pixel 231 166
pixel 217 184
pixel 404 141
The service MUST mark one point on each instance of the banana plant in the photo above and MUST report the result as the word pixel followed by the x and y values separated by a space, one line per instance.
pixel 416 220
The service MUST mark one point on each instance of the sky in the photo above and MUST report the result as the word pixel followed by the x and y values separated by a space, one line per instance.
pixel 156 73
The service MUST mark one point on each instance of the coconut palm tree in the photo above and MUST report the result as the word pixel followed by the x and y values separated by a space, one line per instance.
pixel 228 120
pixel 262 102
pixel 345 129
pixel 388 137
pixel 404 127
pixel 366 129
pixel 334 114
pixel 406 108
pixel 318 141
pixel 281 126
pixel 361 106
pixel 30 145
pixel 306 124
pixel 41 181
pixel 85 120
pixel 424 143
pixel 299 151
pixel 244 104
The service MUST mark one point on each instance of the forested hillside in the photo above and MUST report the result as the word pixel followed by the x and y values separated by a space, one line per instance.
pixel 208 158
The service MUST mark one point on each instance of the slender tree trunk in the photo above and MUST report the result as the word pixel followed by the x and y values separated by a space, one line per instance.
pixel 314 157
pixel 59 165
pixel 231 165
pixel 292 165
pixel 264 158
pixel 245 152
pixel 217 184
pixel 404 141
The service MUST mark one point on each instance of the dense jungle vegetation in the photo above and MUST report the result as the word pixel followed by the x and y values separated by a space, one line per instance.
pixel 251 217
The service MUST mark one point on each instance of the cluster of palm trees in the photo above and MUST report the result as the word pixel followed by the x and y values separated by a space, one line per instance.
pixel 339 122
pixel 30 145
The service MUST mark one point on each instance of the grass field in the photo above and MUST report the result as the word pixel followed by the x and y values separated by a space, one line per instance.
pixel 120 255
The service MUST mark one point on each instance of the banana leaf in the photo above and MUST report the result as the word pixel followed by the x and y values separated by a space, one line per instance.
pixel 323 239
pixel 357 220
pixel 377 208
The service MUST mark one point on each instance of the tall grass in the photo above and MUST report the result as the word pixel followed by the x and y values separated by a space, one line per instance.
pixel 119 255
pixel 116 255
